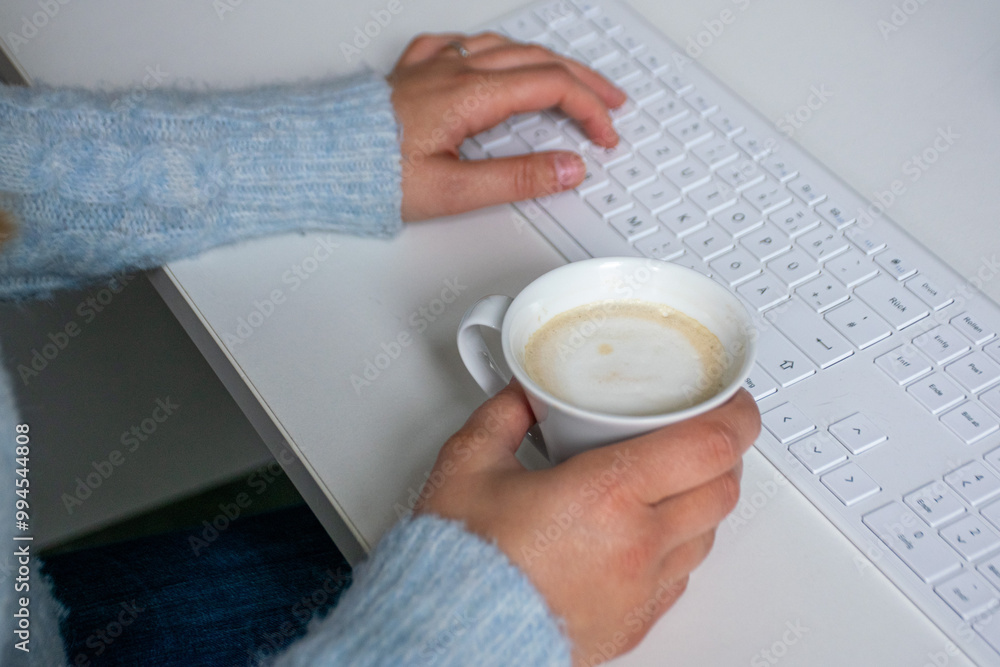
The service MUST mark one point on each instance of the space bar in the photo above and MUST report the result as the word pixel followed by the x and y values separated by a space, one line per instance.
pixel 588 228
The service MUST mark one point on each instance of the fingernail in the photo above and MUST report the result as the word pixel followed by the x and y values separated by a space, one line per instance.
pixel 569 169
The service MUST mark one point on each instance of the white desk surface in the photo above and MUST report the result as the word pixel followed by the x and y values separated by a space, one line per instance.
pixel 786 566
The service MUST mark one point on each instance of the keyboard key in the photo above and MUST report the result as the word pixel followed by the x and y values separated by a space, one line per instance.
pixel 609 200
pixel 922 550
pixel 902 365
pixel 850 484
pixel 823 242
pixel 629 43
pixel 726 125
pixel 852 268
pixel 759 383
pixel 609 156
pixel 755 147
pixel 975 371
pixel 991 399
pixel 935 503
pixel 767 196
pixel 806 190
pixel 690 131
pixel 766 242
pixel 794 267
pixel 973 328
pixel 661 244
pixel 968 595
pixel 782 360
pixel 683 219
pixel 708 242
pixel 676 82
pixel 780 168
pixel 666 110
pixel 895 264
pixel 971 537
pixel 858 433
pixel 739 219
pixel 992 514
pixel 497 134
pixel 735 266
pixel 941 343
pixel 810 333
pixel 513 146
pixel 859 324
pixel 662 151
pixel 929 292
pixel 608 24
pixel 974 482
pixel 595 177
pixel 936 392
pixel 597 52
pixel 638 129
pixel 741 175
pixel 794 219
pixel 715 153
pixel 834 214
pixel 621 71
pixel 585 226
pixel 818 453
pixel 763 291
pixel 687 174
pixel 970 422
pixel 577 33
pixel 702 105
pixel 523 28
pixel 866 241
pixel 642 90
pixel 786 423
pixel 634 223
pixel 657 196
pixel 712 197
pixel 822 293
pixel 556 13
pixel 899 306
pixel 633 174
pixel 541 134
pixel 654 60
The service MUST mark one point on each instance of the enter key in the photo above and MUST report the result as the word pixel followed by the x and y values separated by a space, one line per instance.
pixel 810 333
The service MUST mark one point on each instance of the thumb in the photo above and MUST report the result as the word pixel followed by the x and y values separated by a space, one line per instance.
pixel 495 430
pixel 500 180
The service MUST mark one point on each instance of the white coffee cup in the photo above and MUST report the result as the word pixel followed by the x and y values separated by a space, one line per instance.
pixel 566 428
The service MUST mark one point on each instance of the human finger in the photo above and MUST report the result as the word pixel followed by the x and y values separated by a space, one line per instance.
pixel 682 456
pixel 699 510
pixel 474 184
pixel 493 432
pixel 541 86
pixel 513 54
pixel 428 45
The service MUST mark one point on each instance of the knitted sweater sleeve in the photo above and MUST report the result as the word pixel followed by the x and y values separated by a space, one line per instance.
pixel 98 184
pixel 434 594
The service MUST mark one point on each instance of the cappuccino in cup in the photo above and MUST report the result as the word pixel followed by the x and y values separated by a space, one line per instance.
pixel 626 357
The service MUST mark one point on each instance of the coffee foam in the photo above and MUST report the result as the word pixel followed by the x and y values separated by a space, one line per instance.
pixel 626 357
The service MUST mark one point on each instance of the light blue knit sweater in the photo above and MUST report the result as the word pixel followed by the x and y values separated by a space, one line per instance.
pixel 99 188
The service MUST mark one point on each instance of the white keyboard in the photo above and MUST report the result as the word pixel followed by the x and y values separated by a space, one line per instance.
pixel 878 373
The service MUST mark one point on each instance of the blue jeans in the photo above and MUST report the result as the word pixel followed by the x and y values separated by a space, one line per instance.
pixel 229 594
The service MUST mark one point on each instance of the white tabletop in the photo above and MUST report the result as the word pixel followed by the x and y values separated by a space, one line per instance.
pixel 786 568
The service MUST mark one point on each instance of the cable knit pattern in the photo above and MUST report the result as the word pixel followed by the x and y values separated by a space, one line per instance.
pixel 101 187
pixel 434 594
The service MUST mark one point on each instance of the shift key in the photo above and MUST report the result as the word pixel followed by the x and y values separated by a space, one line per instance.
pixel 910 539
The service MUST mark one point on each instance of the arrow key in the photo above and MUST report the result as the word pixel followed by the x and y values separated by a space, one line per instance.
pixel 786 422
pixel 974 482
pixel 818 452
pixel 850 484
pixel 857 432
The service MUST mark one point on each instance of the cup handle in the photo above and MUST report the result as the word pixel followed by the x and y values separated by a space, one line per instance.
pixel 488 312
